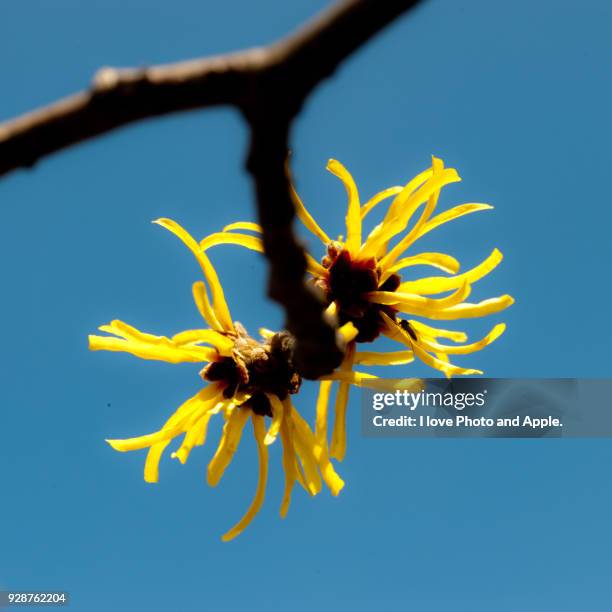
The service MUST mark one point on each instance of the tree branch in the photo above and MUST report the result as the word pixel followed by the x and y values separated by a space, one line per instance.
pixel 121 96
pixel 269 85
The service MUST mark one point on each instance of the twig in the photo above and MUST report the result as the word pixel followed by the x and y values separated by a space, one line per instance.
pixel 269 85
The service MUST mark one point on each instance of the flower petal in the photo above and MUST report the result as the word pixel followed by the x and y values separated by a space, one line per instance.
pixel 372 358
pixel 319 451
pixel 395 332
pixel 418 304
pixel 128 332
pixel 232 432
pixel 439 284
pixel 337 448
pixel 321 412
pixel 244 225
pixel 314 267
pixel 253 243
pixel 259 430
pixel 306 218
pixel 374 240
pixel 304 447
pixel 151 466
pixel 432 201
pixel 451 215
pixel 200 297
pixel 222 343
pixel 219 304
pixel 289 464
pixel 160 352
pixel 353 215
pixel 402 209
pixel 378 198
pixel 369 381
pixel 347 332
pixel 465 349
pixel 174 425
pixel 434 332
pixel 277 418
pixel 469 311
pixel 194 437
pixel 266 333
pixel 437 260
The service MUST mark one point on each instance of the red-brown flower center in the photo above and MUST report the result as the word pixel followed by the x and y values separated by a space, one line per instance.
pixel 347 283
pixel 257 368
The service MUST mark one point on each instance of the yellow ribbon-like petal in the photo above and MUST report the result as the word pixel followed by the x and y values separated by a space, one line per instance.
pixel 318 451
pixel 437 260
pixel 259 430
pixel 375 240
pixel 372 358
pixel 395 332
pixel 465 349
pixel 439 364
pixel 381 196
pixel 353 215
pixel 337 448
pixel 443 357
pixel 434 332
pixel 232 432
pixel 468 311
pixel 314 267
pixel 306 218
pixel 194 437
pixel 174 425
pixel 358 379
pixel 458 211
pixel 288 428
pixel 439 284
pixel 402 209
pixel 244 225
pixel 289 464
pixel 369 381
pixel 222 343
pixel 451 215
pixel 321 450
pixel 304 449
pixel 321 413
pixel 151 467
pixel 200 297
pixel 417 304
pixel 388 260
pixel 128 332
pixel 347 333
pixel 277 418
pixel 266 333
pixel 145 441
pixel 219 304
pixel 249 242
pixel 167 352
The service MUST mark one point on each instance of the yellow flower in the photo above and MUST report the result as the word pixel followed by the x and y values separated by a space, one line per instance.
pixel 362 283
pixel 248 379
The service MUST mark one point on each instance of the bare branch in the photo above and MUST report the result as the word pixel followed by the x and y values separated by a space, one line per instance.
pixel 315 350
pixel 269 85
pixel 118 97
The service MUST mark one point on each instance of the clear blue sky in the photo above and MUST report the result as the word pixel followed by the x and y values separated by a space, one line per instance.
pixel 515 95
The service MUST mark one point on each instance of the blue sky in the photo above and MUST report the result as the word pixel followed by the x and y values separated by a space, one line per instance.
pixel 516 97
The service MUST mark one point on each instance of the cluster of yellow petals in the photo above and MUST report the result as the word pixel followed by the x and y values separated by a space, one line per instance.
pixel 409 216
pixel 306 453
pixel 305 456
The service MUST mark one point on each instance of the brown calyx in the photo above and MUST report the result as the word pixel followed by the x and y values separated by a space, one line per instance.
pixel 257 368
